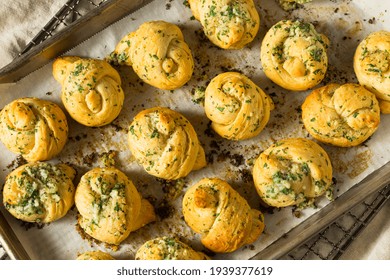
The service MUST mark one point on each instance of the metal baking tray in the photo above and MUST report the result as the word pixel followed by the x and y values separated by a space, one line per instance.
pixel 95 21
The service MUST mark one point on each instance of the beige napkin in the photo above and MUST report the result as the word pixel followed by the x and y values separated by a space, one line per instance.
pixel 20 21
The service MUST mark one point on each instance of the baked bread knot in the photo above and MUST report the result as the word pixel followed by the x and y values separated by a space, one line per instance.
pixel 293 55
pixel 224 219
pixel 94 255
pixel 39 192
pixel 35 128
pixel 91 89
pixel 237 107
pixel 384 106
pixel 292 172
pixel 164 142
pixel 341 115
pixel 289 5
pixel 372 66
pixel 229 24
pixel 168 248
pixel 110 206
pixel 158 54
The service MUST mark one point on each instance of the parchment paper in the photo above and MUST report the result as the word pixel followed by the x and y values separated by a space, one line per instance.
pixel 344 22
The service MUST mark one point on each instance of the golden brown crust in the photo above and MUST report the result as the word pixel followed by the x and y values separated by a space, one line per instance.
pixel 237 107
pixel 168 248
pixel 158 54
pixel 91 89
pixel 293 55
pixel 164 142
pixel 39 192
pixel 341 115
pixel 110 206
pixel 95 255
pixel 292 171
pixel 34 128
pixel 384 106
pixel 372 64
pixel 222 217
pixel 228 24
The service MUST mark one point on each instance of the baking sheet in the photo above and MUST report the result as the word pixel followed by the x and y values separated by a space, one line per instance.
pixel 228 160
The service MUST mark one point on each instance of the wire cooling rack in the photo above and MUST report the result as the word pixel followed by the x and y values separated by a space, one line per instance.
pixel 329 244
pixel 332 242
pixel 71 11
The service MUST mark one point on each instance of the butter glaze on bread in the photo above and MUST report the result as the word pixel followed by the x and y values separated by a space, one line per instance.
pixel 229 24
pixel 221 216
pixel 158 54
pixel 293 55
pixel 91 89
pixel 37 129
pixel 237 107
pixel 110 206
pixel 292 171
pixel 372 66
pixel 164 142
pixel 341 115
pixel 94 255
pixel 168 248
pixel 39 192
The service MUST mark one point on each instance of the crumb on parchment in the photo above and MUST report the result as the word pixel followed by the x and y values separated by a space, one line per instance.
pixel 288 5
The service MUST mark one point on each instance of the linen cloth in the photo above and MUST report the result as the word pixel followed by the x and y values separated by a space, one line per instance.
pixel 21 20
